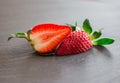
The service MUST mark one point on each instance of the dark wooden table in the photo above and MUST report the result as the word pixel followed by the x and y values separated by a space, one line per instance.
pixel 20 64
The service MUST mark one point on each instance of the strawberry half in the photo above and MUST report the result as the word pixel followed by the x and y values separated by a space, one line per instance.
pixel 81 40
pixel 76 42
pixel 44 38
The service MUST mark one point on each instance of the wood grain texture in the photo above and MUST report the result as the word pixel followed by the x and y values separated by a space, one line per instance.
pixel 20 64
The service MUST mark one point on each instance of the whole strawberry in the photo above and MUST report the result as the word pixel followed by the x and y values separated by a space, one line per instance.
pixel 81 40
pixel 44 38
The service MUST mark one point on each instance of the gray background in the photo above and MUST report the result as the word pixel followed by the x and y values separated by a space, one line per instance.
pixel 19 63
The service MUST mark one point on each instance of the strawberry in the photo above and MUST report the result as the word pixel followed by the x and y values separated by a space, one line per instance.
pixel 76 42
pixel 44 38
pixel 81 40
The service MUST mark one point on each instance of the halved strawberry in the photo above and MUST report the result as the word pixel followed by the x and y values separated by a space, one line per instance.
pixel 44 38
pixel 77 42
pixel 81 40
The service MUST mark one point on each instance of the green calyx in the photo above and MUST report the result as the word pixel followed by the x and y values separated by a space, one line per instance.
pixel 103 41
pixel 94 36
pixel 20 35
pixel 74 27
pixel 87 27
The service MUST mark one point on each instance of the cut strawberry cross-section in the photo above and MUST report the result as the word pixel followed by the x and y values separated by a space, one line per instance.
pixel 44 38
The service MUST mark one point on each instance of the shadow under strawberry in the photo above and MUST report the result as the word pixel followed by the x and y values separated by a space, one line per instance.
pixel 104 51
pixel 44 55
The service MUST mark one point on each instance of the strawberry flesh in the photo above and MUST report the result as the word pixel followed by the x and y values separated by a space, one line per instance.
pixel 46 37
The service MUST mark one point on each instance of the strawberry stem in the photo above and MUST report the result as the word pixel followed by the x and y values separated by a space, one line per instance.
pixel 19 35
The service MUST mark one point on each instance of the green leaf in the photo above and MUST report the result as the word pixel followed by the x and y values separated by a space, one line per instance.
pixel 103 41
pixel 96 35
pixel 72 26
pixel 87 27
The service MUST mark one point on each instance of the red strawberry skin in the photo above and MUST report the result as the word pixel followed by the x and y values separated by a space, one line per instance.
pixel 77 42
pixel 45 37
